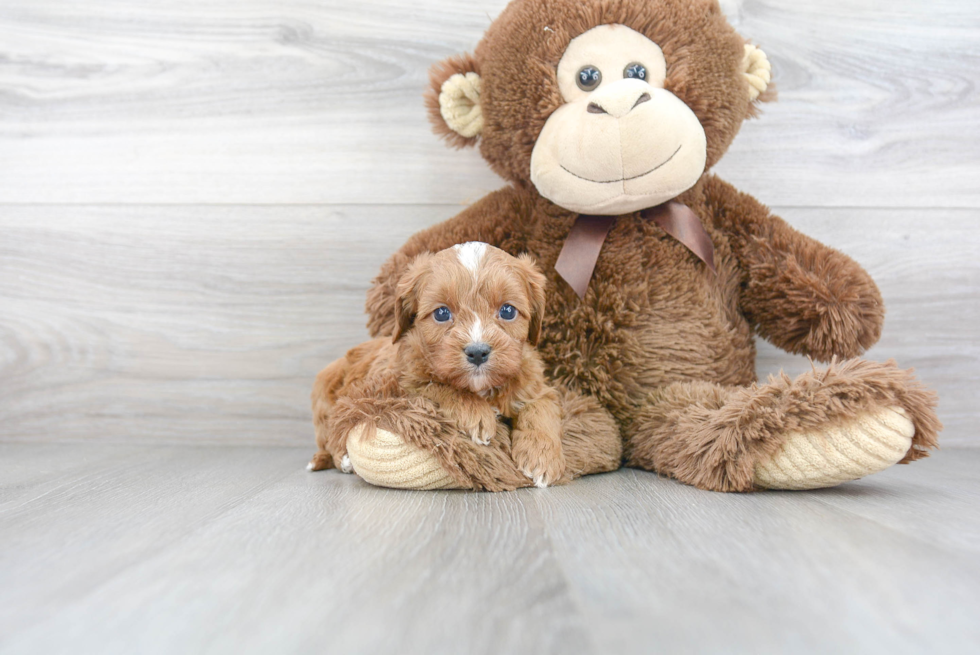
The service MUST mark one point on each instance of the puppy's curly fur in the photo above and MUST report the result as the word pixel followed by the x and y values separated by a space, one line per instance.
pixel 467 321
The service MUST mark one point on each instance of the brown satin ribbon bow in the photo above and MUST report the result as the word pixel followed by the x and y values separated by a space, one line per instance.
pixel 579 255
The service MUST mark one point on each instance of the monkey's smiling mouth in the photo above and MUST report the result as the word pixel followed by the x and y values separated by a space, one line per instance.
pixel 625 179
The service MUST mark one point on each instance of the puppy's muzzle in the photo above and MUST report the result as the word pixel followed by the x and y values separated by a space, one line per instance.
pixel 477 353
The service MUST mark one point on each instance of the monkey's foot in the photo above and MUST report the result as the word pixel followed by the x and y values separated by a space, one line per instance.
pixel 865 444
pixel 387 460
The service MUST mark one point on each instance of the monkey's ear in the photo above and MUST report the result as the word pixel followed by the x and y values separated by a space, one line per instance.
pixel 453 100
pixel 757 73
pixel 407 295
pixel 535 283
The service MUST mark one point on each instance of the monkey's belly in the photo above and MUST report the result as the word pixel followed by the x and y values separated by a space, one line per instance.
pixel 634 345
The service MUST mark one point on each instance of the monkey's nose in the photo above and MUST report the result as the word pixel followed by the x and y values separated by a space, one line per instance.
pixel 619 99
pixel 477 353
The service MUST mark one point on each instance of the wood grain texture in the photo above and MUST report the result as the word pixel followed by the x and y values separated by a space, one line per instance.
pixel 182 323
pixel 208 324
pixel 156 549
pixel 252 101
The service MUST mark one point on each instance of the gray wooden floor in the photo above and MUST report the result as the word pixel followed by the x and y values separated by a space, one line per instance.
pixel 177 549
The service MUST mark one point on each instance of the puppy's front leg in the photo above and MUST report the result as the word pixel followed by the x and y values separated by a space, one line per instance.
pixel 474 415
pixel 536 440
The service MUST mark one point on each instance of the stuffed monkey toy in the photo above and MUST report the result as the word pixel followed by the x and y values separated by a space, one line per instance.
pixel 606 117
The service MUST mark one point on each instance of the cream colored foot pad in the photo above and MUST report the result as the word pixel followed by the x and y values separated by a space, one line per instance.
pixel 869 443
pixel 387 461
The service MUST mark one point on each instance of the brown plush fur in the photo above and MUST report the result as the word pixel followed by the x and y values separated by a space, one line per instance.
pixel 661 342
pixel 711 436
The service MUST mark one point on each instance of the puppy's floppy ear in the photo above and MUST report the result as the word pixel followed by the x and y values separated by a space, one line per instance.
pixel 534 282
pixel 453 100
pixel 407 292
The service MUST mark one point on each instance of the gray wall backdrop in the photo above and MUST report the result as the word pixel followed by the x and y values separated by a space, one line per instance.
pixel 195 194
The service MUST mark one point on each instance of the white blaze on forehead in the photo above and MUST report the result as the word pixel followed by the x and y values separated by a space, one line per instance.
pixel 470 255
pixel 476 331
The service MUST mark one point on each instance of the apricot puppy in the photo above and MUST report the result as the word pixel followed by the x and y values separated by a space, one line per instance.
pixel 467 321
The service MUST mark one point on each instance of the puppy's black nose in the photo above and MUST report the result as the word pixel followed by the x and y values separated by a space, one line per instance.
pixel 477 353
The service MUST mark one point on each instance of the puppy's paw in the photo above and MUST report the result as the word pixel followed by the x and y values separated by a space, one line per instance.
pixel 345 464
pixel 538 458
pixel 544 474
pixel 484 428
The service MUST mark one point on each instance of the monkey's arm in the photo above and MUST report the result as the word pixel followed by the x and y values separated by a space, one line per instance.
pixel 797 293
pixel 491 220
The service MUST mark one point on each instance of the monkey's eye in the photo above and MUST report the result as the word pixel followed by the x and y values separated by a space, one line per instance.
pixel 507 312
pixel 442 315
pixel 588 78
pixel 635 71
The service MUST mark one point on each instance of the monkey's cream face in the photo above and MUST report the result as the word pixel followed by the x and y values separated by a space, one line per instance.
pixel 621 142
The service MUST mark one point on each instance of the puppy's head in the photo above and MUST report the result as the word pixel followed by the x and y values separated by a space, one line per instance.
pixel 468 311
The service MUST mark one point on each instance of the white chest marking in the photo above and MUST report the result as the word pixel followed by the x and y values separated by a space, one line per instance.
pixel 470 255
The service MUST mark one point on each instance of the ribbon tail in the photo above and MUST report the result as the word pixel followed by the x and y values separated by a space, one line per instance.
pixel 578 256
pixel 679 221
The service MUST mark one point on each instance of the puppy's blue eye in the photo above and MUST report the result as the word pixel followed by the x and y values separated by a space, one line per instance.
pixel 635 71
pixel 507 312
pixel 442 315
